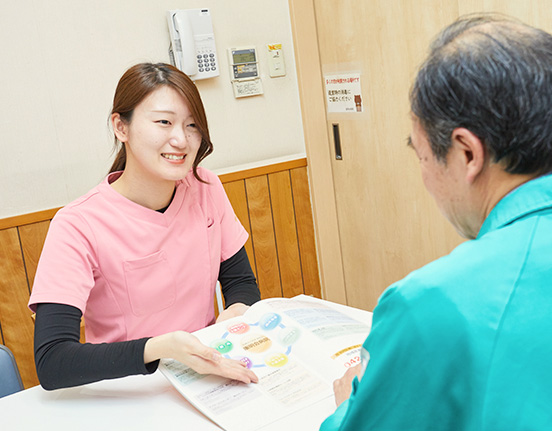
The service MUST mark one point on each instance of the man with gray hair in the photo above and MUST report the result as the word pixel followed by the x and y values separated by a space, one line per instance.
pixel 465 343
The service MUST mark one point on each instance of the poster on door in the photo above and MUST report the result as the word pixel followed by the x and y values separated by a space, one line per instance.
pixel 343 93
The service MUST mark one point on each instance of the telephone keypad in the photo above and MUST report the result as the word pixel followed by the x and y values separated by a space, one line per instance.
pixel 206 59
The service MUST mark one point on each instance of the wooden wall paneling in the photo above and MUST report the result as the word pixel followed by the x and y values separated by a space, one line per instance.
pixel 32 237
pixel 285 231
pixel 235 190
pixel 271 223
pixel 305 231
pixel 262 233
pixel 15 317
pixel 262 170
pixel 30 218
pixel 32 240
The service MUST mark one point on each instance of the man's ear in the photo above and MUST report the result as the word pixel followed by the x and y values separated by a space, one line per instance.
pixel 120 127
pixel 471 151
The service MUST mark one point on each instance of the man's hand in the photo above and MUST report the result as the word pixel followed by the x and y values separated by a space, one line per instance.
pixel 343 386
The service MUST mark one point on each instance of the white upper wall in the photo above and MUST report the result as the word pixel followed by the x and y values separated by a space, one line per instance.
pixel 61 61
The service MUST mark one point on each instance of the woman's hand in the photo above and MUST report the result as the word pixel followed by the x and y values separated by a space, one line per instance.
pixel 234 310
pixel 344 385
pixel 186 348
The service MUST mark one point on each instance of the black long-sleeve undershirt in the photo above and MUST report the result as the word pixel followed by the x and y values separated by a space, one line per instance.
pixel 62 361
pixel 237 281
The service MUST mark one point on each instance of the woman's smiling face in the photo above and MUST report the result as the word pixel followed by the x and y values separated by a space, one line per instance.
pixel 161 138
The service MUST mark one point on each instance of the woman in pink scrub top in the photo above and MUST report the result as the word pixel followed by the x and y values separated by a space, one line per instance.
pixel 139 255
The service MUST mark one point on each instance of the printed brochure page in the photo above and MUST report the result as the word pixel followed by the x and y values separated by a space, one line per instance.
pixel 296 346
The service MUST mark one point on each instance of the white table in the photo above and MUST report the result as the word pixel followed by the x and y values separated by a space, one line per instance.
pixel 133 403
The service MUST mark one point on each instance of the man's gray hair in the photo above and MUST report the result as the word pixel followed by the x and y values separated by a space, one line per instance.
pixel 493 76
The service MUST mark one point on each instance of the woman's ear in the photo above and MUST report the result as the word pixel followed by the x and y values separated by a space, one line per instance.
pixel 471 152
pixel 120 127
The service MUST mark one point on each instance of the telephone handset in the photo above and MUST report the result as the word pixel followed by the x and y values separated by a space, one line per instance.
pixel 193 48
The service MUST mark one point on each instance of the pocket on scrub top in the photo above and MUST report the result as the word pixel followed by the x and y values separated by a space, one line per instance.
pixel 150 283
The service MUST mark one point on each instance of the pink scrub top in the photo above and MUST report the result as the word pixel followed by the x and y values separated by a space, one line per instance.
pixel 135 272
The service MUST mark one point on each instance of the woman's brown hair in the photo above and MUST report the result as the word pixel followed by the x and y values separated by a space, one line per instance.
pixel 141 80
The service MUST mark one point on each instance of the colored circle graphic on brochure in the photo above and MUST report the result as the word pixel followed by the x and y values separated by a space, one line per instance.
pixel 289 335
pixel 238 328
pixel 244 360
pixel 222 345
pixel 255 343
pixel 276 360
pixel 270 321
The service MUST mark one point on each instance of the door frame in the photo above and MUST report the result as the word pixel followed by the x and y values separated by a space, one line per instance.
pixel 317 145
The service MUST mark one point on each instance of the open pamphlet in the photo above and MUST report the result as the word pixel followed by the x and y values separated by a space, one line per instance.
pixel 296 346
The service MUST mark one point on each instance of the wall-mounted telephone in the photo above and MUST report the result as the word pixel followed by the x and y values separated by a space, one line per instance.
pixel 193 47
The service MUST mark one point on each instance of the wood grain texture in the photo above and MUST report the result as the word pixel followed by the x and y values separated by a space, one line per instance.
pixel 24 219
pixel 262 170
pixel 305 231
pixel 15 317
pixel 322 190
pixel 237 196
pixel 532 12
pixel 277 217
pixel 264 241
pixel 285 232
pixel 388 223
pixel 32 240
pixel 47 215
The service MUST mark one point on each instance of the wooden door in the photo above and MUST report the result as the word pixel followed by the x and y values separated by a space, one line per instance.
pixel 533 12
pixel 387 223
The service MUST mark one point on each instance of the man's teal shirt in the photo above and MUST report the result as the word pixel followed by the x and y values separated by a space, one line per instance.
pixel 465 343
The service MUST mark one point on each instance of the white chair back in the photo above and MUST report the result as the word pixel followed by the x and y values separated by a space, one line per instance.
pixel 218 295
